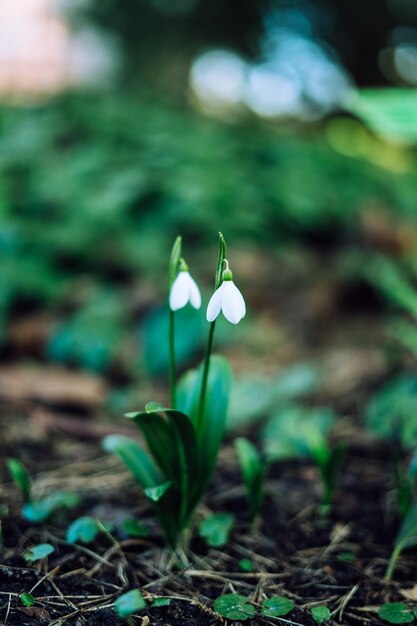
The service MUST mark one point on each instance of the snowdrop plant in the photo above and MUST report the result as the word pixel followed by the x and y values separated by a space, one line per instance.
pixel 183 440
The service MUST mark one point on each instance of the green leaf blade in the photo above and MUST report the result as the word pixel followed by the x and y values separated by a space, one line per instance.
pixel 213 424
pixel 171 438
pixel 390 413
pixel 281 434
pixel 21 477
pixel 149 477
pixel 135 458
pixel 253 471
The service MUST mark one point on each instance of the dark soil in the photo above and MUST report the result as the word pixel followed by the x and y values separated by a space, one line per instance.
pixel 338 560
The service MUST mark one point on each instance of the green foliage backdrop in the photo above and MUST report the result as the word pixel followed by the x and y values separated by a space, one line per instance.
pixel 94 188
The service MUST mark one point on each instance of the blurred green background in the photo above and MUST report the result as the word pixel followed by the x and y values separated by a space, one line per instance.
pixel 289 125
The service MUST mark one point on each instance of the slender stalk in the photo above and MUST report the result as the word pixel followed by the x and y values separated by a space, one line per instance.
pixel 172 364
pixel 404 490
pixel 392 562
pixel 209 345
pixel 204 379
pixel 174 263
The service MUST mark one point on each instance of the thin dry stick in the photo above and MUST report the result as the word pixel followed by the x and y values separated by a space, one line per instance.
pixel 75 546
pixel 61 595
pixel 345 601
pixel 8 608
pixel 48 575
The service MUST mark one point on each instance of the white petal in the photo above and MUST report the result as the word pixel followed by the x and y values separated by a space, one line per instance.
pixel 215 304
pixel 233 305
pixel 180 292
pixel 242 301
pixel 194 294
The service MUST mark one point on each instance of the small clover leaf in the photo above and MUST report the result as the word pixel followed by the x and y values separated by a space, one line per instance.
pixel 38 552
pixel 234 606
pixel 134 528
pixel 320 614
pixel 215 530
pixel 129 602
pixel 27 599
pixel 246 565
pixel 83 530
pixel 395 613
pixel 40 510
pixel 156 602
pixel 277 606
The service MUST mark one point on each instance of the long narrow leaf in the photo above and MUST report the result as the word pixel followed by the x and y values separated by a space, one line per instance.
pixel 187 393
pixel 253 472
pixel 172 440
pixel 165 500
pixel 20 475
pixel 160 437
pixel 213 424
pixel 406 538
pixel 136 459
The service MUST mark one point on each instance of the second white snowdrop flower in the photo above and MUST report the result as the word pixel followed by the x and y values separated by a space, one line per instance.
pixel 184 289
pixel 228 299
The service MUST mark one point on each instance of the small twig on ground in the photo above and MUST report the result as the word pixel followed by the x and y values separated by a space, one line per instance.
pixel 48 576
pixel 8 608
pixel 345 601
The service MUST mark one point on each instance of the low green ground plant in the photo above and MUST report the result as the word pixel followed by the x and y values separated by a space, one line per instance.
pixel 38 510
pixel 295 431
pixel 254 469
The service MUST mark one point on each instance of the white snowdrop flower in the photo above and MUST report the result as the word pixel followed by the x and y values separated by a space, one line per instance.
pixel 228 299
pixel 184 289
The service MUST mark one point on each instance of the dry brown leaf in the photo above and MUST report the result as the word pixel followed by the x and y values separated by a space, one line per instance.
pixel 36 611
pixel 409 594
pixel 52 385
pixel 29 334
pixel 346 368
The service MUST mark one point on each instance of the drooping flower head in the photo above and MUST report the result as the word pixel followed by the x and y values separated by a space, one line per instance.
pixel 184 289
pixel 228 299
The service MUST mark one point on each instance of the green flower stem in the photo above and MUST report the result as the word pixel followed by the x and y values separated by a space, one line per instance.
pixel 403 487
pixel 204 379
pixel 393 562
pixel 217 282
pixel 172 364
